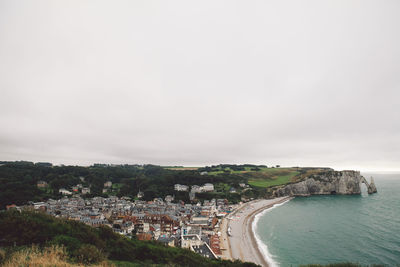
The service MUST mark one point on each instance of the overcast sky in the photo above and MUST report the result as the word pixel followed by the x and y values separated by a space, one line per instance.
pixel 296 83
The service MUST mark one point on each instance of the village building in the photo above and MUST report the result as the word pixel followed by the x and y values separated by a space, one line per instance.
pixel 195 189
pixel 192 226
pixel 108 184
pixel 180 187
pixel 208 187
pixel 64 191
pixel 85 190
pixel 42 184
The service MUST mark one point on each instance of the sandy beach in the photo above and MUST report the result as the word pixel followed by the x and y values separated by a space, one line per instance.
pixel 241 244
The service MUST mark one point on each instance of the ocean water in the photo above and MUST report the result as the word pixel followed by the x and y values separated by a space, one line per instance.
pixel 330 229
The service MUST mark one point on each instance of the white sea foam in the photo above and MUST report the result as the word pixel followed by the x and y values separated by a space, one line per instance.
pixel 263 247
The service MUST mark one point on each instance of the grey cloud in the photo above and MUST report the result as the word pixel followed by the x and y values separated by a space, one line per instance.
pixel 179 82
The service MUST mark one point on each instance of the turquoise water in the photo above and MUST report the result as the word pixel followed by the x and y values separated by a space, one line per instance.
pixel 329 229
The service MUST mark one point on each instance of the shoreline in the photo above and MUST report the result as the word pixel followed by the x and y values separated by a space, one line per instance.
pixel 243 244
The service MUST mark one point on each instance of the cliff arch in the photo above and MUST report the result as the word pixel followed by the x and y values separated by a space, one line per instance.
pixel 371 188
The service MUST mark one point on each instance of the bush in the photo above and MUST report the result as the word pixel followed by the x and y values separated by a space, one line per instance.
pixel 89 254
pixel 2 255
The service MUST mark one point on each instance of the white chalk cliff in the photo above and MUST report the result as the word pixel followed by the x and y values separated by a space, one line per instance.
pixel 327 183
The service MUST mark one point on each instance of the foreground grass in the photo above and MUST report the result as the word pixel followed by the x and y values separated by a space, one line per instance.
pixel 53 256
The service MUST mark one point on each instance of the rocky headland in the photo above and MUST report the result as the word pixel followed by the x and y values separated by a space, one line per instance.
pixel 327 183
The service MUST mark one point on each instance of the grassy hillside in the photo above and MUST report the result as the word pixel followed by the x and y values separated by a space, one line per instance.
pixel 53 256
pixel 260 176
pixel 87 245
pixel 272 176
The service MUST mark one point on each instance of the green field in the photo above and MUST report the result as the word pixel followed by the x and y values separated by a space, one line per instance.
pixel 278 180
pixel 264 177
pixel 271 176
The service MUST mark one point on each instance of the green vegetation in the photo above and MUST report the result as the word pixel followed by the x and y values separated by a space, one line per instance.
pixel 232 169
pixel 87 245
pixel 256 175
pixel 272 176
pixel 18 181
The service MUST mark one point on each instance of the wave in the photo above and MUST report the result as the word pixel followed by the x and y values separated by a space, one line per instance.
pixel 262 246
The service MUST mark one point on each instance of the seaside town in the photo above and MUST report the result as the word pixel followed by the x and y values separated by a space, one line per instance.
pixel 192 226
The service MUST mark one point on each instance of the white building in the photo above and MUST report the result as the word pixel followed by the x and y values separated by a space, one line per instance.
pixel 85 190
pixel 169 198
pixel 64 191
pixel 181 187
pixel 208 187
pixel 188 241
pixel 196 189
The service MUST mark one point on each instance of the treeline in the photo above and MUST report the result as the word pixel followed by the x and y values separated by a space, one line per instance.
pixel 88 245
pixel 233 167
pixel 18 181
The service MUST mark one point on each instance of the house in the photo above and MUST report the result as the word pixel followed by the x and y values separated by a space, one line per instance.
pixel 64 191
pixel 42 184
pixel 189 241
pixel 232 190
pixel 181 187
pixel 12 206
pixel 39 206
pixel 191 230
pixel 140 194
pixel 108 184
pixel 215 244
pixel 195 189
pixel 85 190
pixel 169 198
pixel 199 221
pixel 204 250
pixel 168 241
pixel 144 236
pixel 123 228
pixel 208 187
pixel 156 230
pixel 165 221
pixel 204 173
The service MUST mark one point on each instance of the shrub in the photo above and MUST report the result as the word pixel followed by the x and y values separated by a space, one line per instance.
pixel 2 255
pixel 89 254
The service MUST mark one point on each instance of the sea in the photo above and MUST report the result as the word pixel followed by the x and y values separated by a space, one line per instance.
pixel 362 229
